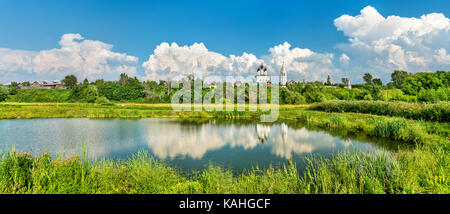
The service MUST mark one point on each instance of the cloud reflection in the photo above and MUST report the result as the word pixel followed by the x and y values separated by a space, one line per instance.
pixel 174 140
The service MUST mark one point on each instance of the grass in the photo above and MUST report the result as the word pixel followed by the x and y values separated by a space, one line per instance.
pixel 40 95
pixel 354 173
pixel 432 112
pixel 424 169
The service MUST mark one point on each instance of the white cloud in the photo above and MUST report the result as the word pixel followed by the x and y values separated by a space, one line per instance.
pixel 382 44
pixel 300 63
pixel 377 44
pixel 344 59
pixel 84 58
pixel 169 61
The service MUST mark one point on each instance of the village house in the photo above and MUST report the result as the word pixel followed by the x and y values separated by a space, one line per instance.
pixel 44 85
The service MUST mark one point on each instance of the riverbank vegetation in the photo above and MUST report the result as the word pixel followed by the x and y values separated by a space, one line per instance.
pixel 344 173
pixel 432 112
pixel 423 169
pixel 414 88
pixel 419 117
pixel 405 129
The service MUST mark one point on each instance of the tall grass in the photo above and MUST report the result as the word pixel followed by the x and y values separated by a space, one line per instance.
pixel 346 172
pixel 431 112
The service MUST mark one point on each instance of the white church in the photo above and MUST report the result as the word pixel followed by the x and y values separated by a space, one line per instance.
pixel 262 77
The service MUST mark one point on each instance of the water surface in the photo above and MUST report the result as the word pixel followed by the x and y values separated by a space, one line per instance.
pixel 185 144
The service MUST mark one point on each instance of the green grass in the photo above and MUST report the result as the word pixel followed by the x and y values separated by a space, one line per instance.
pixel 353 173
pixel 423 169
pixel 40 95
pixel 432 112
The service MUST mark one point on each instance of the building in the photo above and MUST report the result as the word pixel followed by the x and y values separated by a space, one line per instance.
pixel 283 76
pixel 291 82
pixel 349 86
pixel 261 74
pixel 44 85
pixel 35 84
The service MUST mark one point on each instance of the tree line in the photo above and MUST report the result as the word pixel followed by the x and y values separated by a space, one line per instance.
pixel 404 86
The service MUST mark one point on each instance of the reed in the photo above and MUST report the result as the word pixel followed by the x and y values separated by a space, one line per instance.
pixel 432 112
pixel 345 173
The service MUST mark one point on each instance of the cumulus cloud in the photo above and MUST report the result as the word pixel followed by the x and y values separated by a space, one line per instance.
pixel 84 58
pixel 381 44
pixel 301 63
pixel 169 61
pixel 344 59
pixel 376 44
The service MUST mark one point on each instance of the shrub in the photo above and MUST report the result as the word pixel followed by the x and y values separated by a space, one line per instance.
pixel 433 96
pixel 432 112
pixel 102 101
pixel 40 95
pixel 3 93
pixel 89 94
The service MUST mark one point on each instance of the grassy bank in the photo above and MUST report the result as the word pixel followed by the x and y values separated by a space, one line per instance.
pixel 424 169
pixel 344 173
pixel 40 95
pixel 432 112
pixel 377 126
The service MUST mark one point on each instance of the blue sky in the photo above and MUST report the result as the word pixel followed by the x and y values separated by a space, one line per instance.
pixel 136 27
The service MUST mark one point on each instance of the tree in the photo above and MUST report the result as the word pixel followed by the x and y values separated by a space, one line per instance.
pixel 368 78
pixel 123 79
pixel 26 84
pixel 12 88
pixel 13 85
pixel 423 81
pixel 345 81
pixel 328 80
pixel 377 81
pixel 89 94
pixel 85 82
pixel 399 77
pixel 69 81
pixel 3 93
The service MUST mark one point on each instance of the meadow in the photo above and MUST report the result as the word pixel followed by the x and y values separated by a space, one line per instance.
pixel 423 169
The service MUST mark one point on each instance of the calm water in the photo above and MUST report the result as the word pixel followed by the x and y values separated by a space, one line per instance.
pixel 184 144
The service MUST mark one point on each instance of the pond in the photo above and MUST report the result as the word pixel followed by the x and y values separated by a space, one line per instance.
pixel 186 144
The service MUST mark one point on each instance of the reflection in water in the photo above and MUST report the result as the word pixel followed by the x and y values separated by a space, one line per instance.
pixel 263 132
pixel 169 139
pixel 195 143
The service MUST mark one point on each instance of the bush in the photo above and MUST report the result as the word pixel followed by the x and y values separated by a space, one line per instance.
pixel 40 96
pixel 431 112
pixel 397 95
pixel 3 93
pixel 89 94
pixel 433 96
pixel 102 101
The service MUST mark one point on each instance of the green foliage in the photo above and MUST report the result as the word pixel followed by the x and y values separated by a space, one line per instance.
pixel 70 81
pixel 377 81
pixel 398 78
pixel 89 94
pixel 291 97
pixel 418 171
pixel 423 87
pixel 40 95
pixel 432 112
pixel 3 93
pixel 368 78
pixel 423 81
pixel 397 95
pixel 102 101
pixel 434 95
